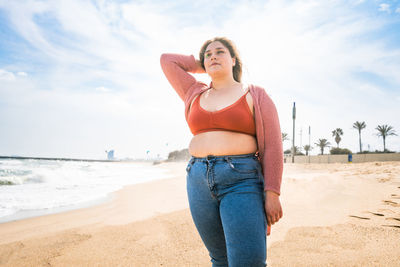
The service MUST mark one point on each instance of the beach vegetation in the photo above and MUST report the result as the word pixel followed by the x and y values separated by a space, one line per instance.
pixel 365 152
pixel 2 182
pixel 359 126
pixel 376 152
pixel 285 137
pixel 385 131
pixel 386 151
pixel 340 151
pixel 307 148
pixel 337 133
pixel 179 155
pixel 297 151
pixel 322 143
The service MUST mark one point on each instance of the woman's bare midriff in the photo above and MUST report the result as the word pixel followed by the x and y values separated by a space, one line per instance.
pixel 219 143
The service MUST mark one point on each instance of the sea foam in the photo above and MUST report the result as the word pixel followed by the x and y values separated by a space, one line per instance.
pixel 27 185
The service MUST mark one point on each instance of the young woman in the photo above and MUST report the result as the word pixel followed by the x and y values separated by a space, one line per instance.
pixel 235 172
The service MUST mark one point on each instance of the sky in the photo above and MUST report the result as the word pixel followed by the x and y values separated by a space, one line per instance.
pixel 78 78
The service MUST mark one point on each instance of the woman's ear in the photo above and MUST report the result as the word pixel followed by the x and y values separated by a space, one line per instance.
pixel 233 62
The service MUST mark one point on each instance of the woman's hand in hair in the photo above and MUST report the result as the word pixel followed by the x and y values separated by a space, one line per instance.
pixel 199 66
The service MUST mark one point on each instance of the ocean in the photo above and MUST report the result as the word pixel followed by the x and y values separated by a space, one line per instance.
pixel 31 187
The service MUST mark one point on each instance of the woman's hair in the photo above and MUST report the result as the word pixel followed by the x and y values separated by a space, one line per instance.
pixel 237 69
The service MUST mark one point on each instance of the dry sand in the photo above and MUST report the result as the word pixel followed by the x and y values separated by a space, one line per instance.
pixel 334 215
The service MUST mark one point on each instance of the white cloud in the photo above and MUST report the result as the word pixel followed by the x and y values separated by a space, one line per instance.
pixel 6 75
pixel 357 2
pixel 307 55
pixel 384 8
pixel 21 73
pixel 103 89
pixel 299 51
pixel 398 10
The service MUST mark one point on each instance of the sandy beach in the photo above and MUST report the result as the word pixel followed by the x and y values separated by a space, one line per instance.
pixel 334 215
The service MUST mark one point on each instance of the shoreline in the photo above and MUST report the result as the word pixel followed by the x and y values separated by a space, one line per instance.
pixel 150 223
pixel 114 209
pixel 32 213
pixel 28 214
pixel 76 159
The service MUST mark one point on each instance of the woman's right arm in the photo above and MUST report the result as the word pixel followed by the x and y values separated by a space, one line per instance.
pixel 176 68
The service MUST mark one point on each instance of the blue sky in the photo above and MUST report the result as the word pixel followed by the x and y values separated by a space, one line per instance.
pixel 81 77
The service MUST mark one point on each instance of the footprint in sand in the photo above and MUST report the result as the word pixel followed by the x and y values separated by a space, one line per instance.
pixel 391 203
pixel 395 196
pixel 383 210
pixel 377 214
pixel 358 217
pixel 387 225
pixel 383 180
pixel 393 218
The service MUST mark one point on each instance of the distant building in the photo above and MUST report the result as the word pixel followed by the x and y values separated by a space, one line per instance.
pixel 110 155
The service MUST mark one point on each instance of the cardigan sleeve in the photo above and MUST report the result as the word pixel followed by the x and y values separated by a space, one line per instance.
pixel 176 68
pixel 273 150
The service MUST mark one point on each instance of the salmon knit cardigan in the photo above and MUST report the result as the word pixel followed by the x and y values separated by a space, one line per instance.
pixel 269 138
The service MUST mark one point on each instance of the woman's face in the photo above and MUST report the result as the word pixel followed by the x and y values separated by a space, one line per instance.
pixel 218 60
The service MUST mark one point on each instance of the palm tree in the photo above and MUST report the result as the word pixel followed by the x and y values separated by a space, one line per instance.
pixel 322 143
pixel 385 130
pixel 285 137
pixel 337 133
pixel 307 148
pixel 359 126
pixel 297 150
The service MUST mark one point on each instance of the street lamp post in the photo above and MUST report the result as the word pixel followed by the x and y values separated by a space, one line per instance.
pixel 294 119
pixel 309 143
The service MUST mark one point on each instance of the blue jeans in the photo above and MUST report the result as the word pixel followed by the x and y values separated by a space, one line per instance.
pixel 226 200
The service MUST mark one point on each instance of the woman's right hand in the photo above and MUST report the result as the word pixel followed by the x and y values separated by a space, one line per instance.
pixel 273 208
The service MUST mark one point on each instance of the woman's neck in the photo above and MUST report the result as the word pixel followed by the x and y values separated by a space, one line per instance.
pixel 224 83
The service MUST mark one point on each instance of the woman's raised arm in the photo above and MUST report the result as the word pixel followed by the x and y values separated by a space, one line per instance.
pixel 176 68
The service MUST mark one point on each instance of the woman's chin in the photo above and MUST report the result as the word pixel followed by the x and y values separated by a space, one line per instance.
pixel 214 73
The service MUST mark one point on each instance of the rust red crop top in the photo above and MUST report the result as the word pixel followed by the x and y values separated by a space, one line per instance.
pixel 236 117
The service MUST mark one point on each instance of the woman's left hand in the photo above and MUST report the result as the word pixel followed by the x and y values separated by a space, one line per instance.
pixel 273 208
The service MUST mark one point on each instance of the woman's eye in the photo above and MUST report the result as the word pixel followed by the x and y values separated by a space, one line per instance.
pixel 207 55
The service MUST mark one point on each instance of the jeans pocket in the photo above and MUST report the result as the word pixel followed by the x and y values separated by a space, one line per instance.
pixel 243 166
pixel 189 165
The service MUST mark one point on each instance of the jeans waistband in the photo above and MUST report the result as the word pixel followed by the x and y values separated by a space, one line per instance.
pixel 224 157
